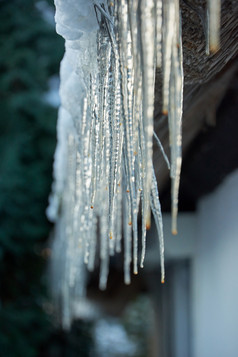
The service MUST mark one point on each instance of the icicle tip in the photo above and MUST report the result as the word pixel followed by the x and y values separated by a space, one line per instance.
pixel 148 221
pixel 214 48
pixel 174 225
pixel 148 225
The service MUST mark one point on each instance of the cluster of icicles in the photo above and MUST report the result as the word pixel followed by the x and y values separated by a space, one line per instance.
pixel 103 168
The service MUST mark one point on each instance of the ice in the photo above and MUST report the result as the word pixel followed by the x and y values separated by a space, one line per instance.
pixel 103 168
pixel 175 113
pixel 162 150
pixel 159 19
pixel 214 14
pixel 156 209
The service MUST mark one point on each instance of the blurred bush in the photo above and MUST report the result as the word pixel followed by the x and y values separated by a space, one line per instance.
pixel 30 55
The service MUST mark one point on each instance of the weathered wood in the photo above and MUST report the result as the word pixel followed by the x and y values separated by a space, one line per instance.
pixel 206 77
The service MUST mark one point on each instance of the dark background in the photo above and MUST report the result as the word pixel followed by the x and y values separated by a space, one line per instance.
pixel 30 53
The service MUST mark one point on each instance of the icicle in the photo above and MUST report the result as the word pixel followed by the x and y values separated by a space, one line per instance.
pixel 148 75
pixel 159 5
pixel 175 115
pixel 143 199
pixel 104 248
pixel 92 250
pixel 168 34
pixel 103 162
pixel 162 150
pixel 156 209
pixel 214 14
pixel 127 242
pixel 118 220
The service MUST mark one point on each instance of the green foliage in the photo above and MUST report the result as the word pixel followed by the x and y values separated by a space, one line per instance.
pixel 30 55
pixel 138 322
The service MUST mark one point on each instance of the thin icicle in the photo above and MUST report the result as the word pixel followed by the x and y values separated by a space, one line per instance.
pixel 214 19
pixel 127 243
pixel 118 221
pixel 156 209
pixel 148 76
pixel 93 245
pixel 104 248
pixel 143 199
pixel 175 115
pixel 168 34
pixel 162 150
pixel 127 71
pixel 159 18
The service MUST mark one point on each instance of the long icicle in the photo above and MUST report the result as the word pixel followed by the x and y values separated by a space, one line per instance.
pixel 175 114
pixel 214 19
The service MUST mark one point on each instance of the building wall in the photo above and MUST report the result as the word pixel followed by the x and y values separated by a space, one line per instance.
pixel 214 276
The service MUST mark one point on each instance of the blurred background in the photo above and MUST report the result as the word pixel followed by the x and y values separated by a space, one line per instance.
pixel 195 313
pixel 30 54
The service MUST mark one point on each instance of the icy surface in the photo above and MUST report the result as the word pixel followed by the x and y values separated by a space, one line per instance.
pixel 103 166
pixel 214 14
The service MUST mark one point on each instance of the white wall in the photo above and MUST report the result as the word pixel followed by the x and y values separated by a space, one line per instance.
pixel 215 274
pixel 177 247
